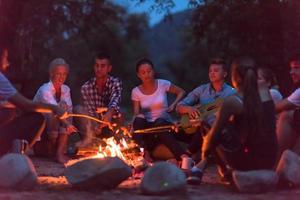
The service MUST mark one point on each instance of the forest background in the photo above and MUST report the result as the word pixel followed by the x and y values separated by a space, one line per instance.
pixel 181 45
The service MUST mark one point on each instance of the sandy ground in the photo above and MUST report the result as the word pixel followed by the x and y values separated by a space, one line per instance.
pixel 53 185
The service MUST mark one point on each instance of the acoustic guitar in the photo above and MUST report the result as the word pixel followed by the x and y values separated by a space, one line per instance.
pixel 185 122
pixel 205 110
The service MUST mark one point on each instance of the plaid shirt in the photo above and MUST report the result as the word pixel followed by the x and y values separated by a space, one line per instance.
pixel 111 96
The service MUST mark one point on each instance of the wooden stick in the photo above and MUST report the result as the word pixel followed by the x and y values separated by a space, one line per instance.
pixel 156 129
pixel 92 118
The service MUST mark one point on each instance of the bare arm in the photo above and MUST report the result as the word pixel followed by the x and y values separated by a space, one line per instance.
pixel 179 92
pixel 25 104
pixel 136 108
pixel 186 105
pixel 284 105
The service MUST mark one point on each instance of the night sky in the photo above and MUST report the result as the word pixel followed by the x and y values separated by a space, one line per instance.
pixel 154 17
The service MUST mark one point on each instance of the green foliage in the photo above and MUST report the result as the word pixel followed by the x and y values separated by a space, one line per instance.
pixel 38 31
pixel 267 30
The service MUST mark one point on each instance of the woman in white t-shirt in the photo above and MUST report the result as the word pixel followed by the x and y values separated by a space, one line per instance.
pixel 151 109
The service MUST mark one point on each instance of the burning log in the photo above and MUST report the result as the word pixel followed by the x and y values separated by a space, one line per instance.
pixel 121 145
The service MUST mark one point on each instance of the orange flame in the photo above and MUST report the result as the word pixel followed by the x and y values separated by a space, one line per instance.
pixel 114 149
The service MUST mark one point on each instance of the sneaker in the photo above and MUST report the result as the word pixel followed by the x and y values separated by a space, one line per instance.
pixel 194 177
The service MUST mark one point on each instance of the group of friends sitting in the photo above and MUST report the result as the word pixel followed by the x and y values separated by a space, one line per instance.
pixel 241 135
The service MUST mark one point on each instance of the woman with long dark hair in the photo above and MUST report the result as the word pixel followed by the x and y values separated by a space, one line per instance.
pixel 151 109
pixel 243 135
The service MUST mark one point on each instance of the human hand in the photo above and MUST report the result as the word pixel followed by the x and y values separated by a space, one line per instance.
pixel 107 117
pixel 63 105
pixel 101 109
pixel 59 112
pixel 193 112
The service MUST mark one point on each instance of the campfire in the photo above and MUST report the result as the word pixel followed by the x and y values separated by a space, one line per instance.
pixel 121 145
pixel 125 150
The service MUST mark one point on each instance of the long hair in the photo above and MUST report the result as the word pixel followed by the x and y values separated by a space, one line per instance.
pixel 244 68
pixel 268 75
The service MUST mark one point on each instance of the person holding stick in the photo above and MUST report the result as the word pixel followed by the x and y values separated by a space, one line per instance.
pixel 27 127
pixel 57 93
pixel 151 109
pixel 101 97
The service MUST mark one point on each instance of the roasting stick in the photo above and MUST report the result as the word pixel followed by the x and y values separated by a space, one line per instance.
pixel 92 118
pixel 155 129
pixel 168 128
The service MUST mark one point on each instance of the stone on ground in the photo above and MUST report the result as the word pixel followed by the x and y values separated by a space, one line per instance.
pixel 256 181
pixel 288 168
pixel 98 173
pixel 163 178
pixel 17 171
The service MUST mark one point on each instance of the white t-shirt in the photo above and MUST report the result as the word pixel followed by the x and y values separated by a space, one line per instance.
pixel 294 98
pixel 46 94
pixel 153 106
pixel 6 88
pixel 275 94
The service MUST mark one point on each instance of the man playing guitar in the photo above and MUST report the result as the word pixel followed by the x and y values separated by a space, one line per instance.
pixel 205 94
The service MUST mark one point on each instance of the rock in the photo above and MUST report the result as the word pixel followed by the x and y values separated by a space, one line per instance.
pixel 17 171
pixel 255 181
pixel 163 178
pixel 288 168
pixel 98 173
